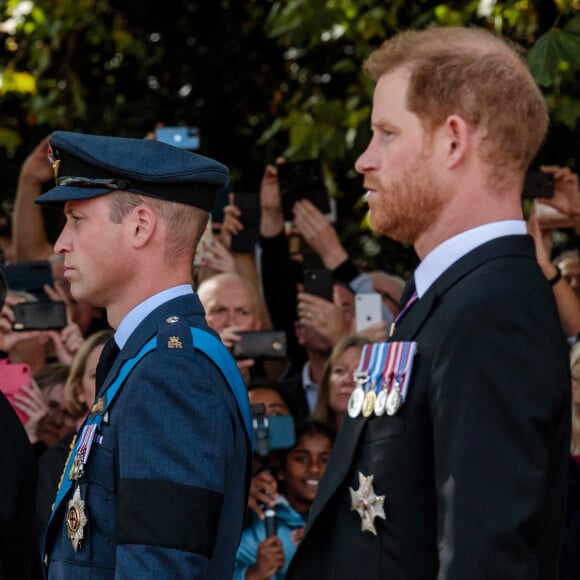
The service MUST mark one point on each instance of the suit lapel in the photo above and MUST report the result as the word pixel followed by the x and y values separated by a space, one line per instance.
pixel 412 322
pixel 339 463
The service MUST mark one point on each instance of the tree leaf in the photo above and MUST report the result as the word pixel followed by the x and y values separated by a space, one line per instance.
pixel 543 58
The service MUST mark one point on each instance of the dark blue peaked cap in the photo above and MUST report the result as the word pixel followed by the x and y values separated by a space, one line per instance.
pixel 87 166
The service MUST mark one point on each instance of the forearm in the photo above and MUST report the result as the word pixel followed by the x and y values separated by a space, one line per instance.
pixel 566 300
pixel 271 222
pixel 568 308
pixel 29 235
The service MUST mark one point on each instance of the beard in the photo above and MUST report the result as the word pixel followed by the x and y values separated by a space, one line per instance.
pixel 405 208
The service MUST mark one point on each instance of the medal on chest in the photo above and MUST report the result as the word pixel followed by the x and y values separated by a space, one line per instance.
pixel 361 378
pixel 76 519
pixel 81 457
pixel 367 503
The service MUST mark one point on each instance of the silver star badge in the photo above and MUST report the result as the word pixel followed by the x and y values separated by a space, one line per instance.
pixel 367 503
pixel 76 519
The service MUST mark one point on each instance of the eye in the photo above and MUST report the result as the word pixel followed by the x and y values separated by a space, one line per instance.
pixel 300 458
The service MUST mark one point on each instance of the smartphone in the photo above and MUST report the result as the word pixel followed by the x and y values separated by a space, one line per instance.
pixel 30 277
pixel 538 185
pixel 39 316
pixel 299 180
pixel 249 205
pixel 318 282
pixel 12 377
pixel 260 345
pixel 368 310
pixel 271 433
pixel 182 137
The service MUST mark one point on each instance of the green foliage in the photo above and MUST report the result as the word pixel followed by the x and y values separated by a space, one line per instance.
pixel 258 78
pixel 327 108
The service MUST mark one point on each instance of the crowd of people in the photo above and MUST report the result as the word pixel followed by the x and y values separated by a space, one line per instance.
pixel 190 456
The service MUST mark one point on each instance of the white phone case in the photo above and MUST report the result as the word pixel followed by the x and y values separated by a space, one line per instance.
pixel 368 310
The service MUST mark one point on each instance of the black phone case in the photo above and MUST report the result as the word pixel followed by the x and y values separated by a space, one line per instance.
pixel 260 345
pixel 319 283
pixel 246 240
pixel 538 185
pixel 299 180
pixel 39 316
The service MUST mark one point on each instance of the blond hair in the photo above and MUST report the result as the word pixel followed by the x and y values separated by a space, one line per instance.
pixel 185 223
pixel 73 387
pixel 322 411
pixel 474 74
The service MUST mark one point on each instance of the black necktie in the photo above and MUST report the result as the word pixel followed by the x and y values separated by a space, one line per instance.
pixel 408 291
pixel 106 360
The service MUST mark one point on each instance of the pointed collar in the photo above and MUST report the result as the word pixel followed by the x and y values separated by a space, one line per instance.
pixel 451 250
pixel 141 311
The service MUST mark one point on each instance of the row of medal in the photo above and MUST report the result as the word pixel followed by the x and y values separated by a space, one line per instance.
pixel 382 378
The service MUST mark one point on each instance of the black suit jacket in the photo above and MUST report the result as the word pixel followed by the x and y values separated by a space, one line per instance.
pixel 17 496
pixel 474 465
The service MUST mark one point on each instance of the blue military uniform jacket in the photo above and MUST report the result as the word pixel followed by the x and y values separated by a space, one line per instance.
pixel 165 487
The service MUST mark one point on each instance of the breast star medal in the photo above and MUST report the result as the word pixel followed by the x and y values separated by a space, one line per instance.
pixel 76 519
pixel 367 503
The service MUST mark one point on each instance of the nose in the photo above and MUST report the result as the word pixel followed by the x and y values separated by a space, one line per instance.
pixel 62 244
pixel 229 319
pixel 366 161
pixel 315 469
pixel 56 415
pixel 349 377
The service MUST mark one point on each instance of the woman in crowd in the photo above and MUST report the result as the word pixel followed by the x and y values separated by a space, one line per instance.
pixel 337 382
pixel 43 402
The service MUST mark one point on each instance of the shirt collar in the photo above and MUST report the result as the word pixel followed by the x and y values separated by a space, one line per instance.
pixel 306 380
pixel 141 311
pixel 451 250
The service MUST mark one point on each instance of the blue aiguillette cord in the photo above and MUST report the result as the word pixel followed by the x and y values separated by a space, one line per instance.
pixel 207 344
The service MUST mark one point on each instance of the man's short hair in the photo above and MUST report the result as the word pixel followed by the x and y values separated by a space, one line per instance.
pixel 472 73
pixel 185 223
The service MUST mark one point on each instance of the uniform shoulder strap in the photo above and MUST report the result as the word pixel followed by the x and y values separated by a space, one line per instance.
pixel 217 352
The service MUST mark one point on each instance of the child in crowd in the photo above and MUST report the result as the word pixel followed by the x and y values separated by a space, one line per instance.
pixel 301 468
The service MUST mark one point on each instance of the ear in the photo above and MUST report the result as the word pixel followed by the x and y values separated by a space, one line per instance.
pixel 143 222
pixel 457 136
